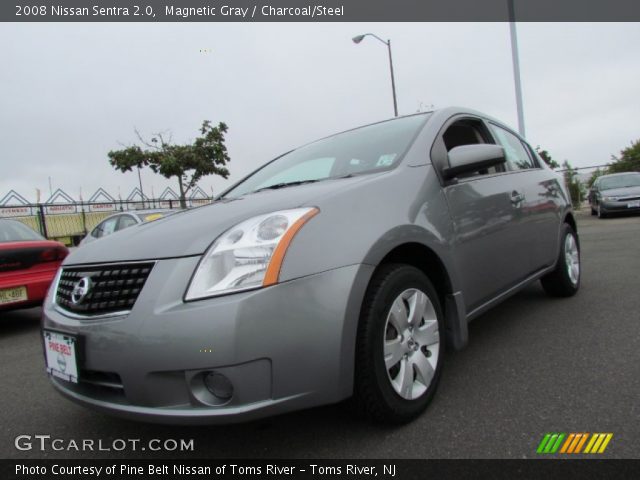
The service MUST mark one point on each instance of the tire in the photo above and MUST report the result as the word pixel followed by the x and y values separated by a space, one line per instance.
pixel 593 212
pixel 564 280
pixel 601 213
pixel 381 390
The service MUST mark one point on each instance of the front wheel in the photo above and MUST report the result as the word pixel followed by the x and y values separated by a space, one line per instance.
pixel 564 280
pixel 601 213
pixel 399 351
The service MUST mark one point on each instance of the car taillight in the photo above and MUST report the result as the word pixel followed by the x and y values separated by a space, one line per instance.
pixel 53 254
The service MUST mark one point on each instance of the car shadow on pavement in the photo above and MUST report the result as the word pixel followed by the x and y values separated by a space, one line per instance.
pixel 15 322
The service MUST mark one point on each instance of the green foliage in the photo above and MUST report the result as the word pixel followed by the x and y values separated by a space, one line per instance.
pixel 207 155
pixel 573 184
pixel 628 161
pixel 598 172
pixel 544 155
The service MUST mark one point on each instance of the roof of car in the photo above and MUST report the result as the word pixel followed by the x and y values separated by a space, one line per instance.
pixel 151 210
pixel 618 174
pixel 145 211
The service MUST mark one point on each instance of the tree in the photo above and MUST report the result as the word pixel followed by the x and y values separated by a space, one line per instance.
pixel 544 155
pixel 628 161
pixel 207 155
pixel 597 172
pixel 573 184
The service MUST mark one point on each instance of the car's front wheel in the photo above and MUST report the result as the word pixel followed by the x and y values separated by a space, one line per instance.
pixel 601 212
pixel 399 348
pixel 564 280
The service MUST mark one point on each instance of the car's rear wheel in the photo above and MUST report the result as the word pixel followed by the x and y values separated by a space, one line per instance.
pixel 399 349
pixel 564 280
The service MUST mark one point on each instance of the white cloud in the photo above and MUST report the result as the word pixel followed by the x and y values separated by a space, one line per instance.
pixel 71 92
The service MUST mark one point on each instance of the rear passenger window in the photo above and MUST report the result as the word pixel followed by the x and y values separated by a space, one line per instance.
pixel 517 156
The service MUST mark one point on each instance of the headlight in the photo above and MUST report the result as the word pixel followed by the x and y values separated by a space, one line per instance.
pixel 610 199
pixel 248 255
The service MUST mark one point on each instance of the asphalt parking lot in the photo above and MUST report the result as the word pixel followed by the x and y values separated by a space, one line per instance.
pixel 534 365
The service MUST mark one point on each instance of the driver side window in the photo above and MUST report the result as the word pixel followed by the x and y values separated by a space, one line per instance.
pixel 105 228
pixel 468 132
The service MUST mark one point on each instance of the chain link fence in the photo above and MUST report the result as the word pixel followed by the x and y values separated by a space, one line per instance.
pixel 70 222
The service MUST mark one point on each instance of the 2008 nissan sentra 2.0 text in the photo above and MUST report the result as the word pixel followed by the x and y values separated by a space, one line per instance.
pixel 340 269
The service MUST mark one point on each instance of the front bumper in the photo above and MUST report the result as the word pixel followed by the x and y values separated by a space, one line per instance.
pixel 620 206
pixel 37 283
pixel 285 347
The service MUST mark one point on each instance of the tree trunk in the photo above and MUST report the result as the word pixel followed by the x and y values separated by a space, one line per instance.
pixel 183 200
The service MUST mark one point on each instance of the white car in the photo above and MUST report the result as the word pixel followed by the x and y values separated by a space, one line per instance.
pixel 120 221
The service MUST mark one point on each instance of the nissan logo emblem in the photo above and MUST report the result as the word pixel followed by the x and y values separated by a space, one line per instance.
pixel 81 290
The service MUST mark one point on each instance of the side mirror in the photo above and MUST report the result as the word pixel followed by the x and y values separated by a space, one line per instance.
pixel 471 158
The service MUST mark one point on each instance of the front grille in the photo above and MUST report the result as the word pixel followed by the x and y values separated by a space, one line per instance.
pixel 110 288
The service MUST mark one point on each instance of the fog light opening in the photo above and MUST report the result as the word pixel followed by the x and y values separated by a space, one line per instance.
pixel 218 385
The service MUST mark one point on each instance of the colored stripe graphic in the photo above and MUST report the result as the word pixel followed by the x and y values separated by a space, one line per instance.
pixel 594 437
pixel 573 443
pixel 550 443
pixel 556 446
pixel 568 442
pixel 598 443
pixel 543 443
pixel 581 443
pixel 607 439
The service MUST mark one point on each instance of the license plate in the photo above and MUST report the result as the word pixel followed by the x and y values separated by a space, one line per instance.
pixel 634 204
pixel 13 295
pixel 60 351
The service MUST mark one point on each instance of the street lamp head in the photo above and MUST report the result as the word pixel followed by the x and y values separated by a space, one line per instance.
pixel 357 39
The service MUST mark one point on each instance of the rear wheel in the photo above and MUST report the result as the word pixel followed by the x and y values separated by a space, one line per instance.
pixel 399 350
pixel 564 280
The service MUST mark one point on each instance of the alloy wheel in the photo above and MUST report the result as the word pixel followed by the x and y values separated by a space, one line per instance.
pixel 572 258
pixel 411 343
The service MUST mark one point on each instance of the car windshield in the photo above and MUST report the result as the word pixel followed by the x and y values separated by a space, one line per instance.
pixel 363 150
pixel 620 181
pixel 11 231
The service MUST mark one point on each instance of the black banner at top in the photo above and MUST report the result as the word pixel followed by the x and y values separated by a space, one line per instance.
pixel 319 10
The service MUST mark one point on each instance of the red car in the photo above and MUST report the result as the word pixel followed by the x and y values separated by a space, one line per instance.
pixel 28 265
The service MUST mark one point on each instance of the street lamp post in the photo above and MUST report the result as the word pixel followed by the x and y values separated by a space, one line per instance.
pixel 357 39
pixel 516 66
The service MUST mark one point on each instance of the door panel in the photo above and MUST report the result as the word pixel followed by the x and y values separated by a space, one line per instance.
pixel 539 193
pixel 489 248
pixel 541 215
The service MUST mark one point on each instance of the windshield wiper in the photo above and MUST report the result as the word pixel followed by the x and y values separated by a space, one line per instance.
pixel 276 186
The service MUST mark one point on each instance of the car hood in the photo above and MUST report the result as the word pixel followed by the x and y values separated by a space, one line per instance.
pixel 191 232
pixel 621 192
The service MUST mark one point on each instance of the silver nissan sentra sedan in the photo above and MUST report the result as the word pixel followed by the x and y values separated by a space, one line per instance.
pixel 340 269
